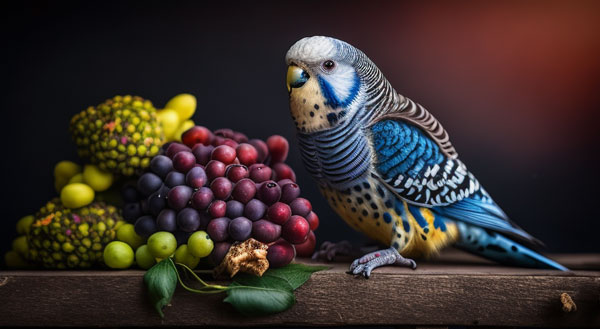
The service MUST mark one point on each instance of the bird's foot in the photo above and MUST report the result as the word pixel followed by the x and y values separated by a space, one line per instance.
pixel 373 260
pixel 329 250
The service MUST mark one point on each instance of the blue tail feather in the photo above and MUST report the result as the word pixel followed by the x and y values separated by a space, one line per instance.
pixel 499 248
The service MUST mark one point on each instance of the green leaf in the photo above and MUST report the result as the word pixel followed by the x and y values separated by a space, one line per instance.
pixel 161 281
pixel 252 295
pixel 294 274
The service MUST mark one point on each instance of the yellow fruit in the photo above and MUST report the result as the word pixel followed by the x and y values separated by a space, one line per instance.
pixel 144 258
pixel 24 224
pixel 118 255
pixel 76 195
pixel 184 104
pixel 97 179
pixel 126 233
pixel 169 119
pixel 183 255
pixel 76 179
pixel 14 260
pixel 63 171
pixel 182 128
pixel 20 245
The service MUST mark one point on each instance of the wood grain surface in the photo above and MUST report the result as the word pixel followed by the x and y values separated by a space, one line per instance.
pixel 458 289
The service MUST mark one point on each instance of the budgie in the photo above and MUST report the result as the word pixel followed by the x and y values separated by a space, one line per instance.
pixel 387 166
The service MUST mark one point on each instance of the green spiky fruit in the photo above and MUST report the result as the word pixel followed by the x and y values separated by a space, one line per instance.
pixel 120 135
pixel 62 238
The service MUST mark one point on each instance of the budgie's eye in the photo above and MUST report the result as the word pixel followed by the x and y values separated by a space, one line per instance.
pixel 328 65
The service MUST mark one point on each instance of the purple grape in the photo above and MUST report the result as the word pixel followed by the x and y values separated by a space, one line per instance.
pixel 202 198
pixel 234 209
pixel 130 194
pixel 174 178
pixel 132 211
pixel 148 183
pixel 289 192
pixel 188 220
pixel 144 206
pixel 167 220
pixel 202 153
pixel 217 208
pixel 284 182
pixel 204 220
pixel 221 188
pixel 161 165
pixel 280 254
pixel 255 209
pixel 215 169
pixel 196 177
pixel 219 251
pixel 301 207
pixel 145 226
pixel 184 161
pixel 240 228
pixel 217 229
pixel 236 172
pixel 265 231
pixel 181 237
pixel 179 196
pixel 156 203
pixel 269 192
pixel 244 190
pixel 175 148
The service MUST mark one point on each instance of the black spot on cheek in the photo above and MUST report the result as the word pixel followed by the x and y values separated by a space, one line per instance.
pixel 312 114
pixel 316 107
pixel 332 118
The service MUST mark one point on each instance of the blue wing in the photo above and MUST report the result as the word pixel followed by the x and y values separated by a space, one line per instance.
pixel 412 166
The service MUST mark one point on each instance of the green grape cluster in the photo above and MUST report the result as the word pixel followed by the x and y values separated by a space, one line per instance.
pixel 61 238
pixel 120 135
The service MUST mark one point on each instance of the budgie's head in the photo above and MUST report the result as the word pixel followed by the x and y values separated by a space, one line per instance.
pixel 327 80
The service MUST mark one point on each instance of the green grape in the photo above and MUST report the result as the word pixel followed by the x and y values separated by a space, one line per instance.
pixel 200 244
pixel 183 255
pixel 162 244
pixel 126 233
pixel 144 258
pixel 118 255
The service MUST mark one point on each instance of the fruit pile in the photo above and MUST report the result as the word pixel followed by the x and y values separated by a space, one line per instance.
pixel 217 188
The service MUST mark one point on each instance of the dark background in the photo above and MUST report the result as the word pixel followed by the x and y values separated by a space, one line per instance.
pixel 515 83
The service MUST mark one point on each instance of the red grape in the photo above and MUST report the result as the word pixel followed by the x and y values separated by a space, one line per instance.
pixel 239 137
pixel 179 196
pixel 301 207
pixel 202 153
pixel 244 190
pixel 279 213
pixel 283 171
pixel 278 148
pixel 230 142
pixel 221 188
pixel 269 192
pixel 215 169
pixel 265 231
pixel 196 177
pixel 217 229
pixel 295 230
pixel 223 153
pixel 217 208
pixel 261 149
pixel 236 172
pixel 175 148
pixel 313 220
pixel 184 161
pixel 247 154
pixel 307 248
pixel 280 254
pixel 260 172
pixel 202 198
pixel 195 135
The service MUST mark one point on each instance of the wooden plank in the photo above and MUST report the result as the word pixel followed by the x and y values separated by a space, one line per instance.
pixel 436 294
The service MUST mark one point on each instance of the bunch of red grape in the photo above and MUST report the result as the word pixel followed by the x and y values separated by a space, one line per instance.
pixel 231 187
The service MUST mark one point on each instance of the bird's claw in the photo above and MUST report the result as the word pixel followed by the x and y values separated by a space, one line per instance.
pixel 367 263
pixel 329 250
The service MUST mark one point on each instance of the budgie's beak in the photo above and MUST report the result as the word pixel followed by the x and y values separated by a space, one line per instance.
pixel 296 77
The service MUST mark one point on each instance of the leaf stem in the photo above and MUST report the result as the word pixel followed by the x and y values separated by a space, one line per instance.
pixel 206 289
